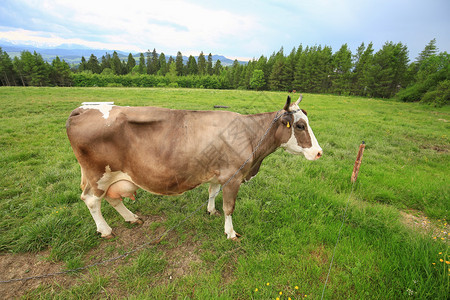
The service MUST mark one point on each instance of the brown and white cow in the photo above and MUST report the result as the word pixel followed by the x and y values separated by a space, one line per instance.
pixel 168 152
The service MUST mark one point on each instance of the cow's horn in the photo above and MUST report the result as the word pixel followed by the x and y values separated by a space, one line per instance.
pixel 299 99
pixel 288 103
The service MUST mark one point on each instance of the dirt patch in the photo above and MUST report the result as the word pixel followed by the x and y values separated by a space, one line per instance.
pixel 319 255
pixel 415 219
pixel 181 260
pixel 127 239
pixel 438 230
pixel 27 265
pixel 181 257
pixel 437 148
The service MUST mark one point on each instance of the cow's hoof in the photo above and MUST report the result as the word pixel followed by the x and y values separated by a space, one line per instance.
pixel 107 237
pixel 214 213
pixel 138 222
pixel 235 238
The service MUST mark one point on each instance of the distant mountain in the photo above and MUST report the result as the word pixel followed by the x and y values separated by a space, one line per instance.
pixel 72 53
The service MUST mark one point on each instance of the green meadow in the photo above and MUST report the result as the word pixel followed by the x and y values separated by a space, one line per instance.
pixel 394 243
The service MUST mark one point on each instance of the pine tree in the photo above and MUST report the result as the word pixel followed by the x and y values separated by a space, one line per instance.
pixel 172 73
pixel 18 67
pixel 257 80
pixel 40 72
pixel 191 68
pixel 106 62
pixel 324 70
pixel 209 65
pixel 247 74
pixel 287 76
pixel 142 68
pixel 179 64
pixel 154 63
pixel 60 72
pixel 275 79
pixel 262 65
pixel 387 72
pixel 148 54
pixel 313 70
pixel 429 50
pixel 171 60
pixel 341 75
pixel 7 74
pixel 123 67
pixel 299 52
pixel 131 62
pixel 300 69
pixel 236 71
pixel 162 64
pixel 218 67
pixel 201 64
pixel 362 63
pixel 83 65
pixel 116 64
pixel 93 64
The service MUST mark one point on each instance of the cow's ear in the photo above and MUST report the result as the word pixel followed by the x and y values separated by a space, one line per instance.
pixel 288 103
pixel 287 120
pixel 304 111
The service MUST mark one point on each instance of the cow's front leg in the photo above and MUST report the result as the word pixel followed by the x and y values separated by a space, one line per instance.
pixel 94 205
pixel 214 189
pixel 229 199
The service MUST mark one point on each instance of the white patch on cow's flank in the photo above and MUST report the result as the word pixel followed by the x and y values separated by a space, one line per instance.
pixel 110 177
pixel 104 108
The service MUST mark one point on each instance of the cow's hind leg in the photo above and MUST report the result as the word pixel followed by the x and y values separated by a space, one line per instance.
pixel 94 205
pixel 214 189
pixel 124 211
pixel 229 199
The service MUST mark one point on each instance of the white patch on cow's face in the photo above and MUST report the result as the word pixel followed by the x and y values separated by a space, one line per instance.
pixel 103 108
pixel 110 177
pixel 292 146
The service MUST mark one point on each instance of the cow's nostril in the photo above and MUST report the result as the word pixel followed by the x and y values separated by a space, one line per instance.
pixel 319 154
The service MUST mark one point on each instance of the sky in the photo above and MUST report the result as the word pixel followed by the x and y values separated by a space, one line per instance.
pixel 234 28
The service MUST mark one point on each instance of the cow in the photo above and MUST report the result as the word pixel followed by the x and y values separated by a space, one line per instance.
pixel 168 152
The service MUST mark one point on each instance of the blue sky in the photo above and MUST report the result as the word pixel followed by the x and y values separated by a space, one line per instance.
pixel 237 29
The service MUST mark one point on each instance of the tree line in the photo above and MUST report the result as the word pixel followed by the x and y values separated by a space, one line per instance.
pixel 31 70
pixel 314 69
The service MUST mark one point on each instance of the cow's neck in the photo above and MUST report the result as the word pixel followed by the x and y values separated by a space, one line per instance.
pixel 259 124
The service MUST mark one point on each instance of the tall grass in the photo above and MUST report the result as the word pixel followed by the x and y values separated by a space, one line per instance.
pixel 289 214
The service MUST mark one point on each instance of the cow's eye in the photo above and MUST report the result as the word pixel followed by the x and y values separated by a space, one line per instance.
pixel 300 126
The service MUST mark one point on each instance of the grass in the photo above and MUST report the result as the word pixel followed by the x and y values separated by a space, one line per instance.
pixel 289 214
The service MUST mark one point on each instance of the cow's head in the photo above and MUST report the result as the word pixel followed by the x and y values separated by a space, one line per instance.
pixel 301 137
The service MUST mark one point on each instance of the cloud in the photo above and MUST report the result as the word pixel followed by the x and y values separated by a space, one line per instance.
pixel 235 28
pixel 45 39
pixel 169 25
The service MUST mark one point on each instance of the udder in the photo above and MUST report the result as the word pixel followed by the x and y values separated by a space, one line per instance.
pixel 122 188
